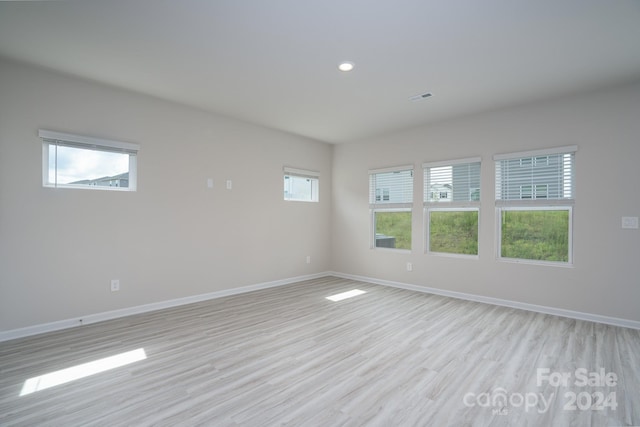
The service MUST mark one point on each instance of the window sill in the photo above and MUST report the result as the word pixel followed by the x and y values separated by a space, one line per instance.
pixel 87 187
pixel 450 255
pixel 534 262
pixel 399 251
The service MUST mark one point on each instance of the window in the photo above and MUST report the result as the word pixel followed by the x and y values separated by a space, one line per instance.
pixel 535 233
pixel 452 206
pixel 382 195
pixel 391 202
pixel 534 205
pixel 301 185
pixel 73 161
pixel 541 161
pixel 538 191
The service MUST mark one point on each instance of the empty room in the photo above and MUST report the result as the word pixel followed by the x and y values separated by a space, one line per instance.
pixel 269 213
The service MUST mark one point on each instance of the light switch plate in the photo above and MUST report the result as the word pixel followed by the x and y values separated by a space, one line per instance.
pixel 630 222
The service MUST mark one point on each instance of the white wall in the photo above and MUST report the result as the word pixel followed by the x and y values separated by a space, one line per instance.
pixel 175 238
pixel 605 279
pixel 60 248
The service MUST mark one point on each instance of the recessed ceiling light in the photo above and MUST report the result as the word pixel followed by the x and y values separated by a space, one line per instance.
pixel 346 66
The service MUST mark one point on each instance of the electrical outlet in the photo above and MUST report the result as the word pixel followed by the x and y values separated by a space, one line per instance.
pixel 229 184
pixel 308 259
pixel 209 182
pixel 115 285
pixel 409 266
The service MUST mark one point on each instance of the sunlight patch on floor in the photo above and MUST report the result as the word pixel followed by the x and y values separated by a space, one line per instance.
pixel 344 295
pixel 73 373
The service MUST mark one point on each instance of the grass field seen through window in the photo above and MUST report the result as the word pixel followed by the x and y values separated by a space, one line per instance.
pixel 454 232
pixel 541 235
pixel 396 225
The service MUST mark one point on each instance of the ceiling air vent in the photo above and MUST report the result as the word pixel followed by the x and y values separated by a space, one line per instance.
pixel 421 96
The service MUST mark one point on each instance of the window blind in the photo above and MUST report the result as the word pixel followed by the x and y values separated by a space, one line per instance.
pixel 544 175
pixel 300 172
pixel 87 142
pixel 391 186
pixel 456 182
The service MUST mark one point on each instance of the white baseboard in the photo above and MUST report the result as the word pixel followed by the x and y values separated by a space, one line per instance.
pixel 114 314
pixel 615 321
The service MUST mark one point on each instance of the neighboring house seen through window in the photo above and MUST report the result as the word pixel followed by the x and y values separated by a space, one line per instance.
pixel 74 161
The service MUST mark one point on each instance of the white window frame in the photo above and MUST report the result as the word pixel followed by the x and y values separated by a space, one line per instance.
pixel 448 205
pixel 50 138
pixel 307 174
pixel 543 204
pixel 376 206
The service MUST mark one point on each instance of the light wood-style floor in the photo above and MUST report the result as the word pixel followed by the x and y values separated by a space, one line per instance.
pixel 288 356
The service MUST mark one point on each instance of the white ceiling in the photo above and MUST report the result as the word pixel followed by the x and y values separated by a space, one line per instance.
pixel 274 62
